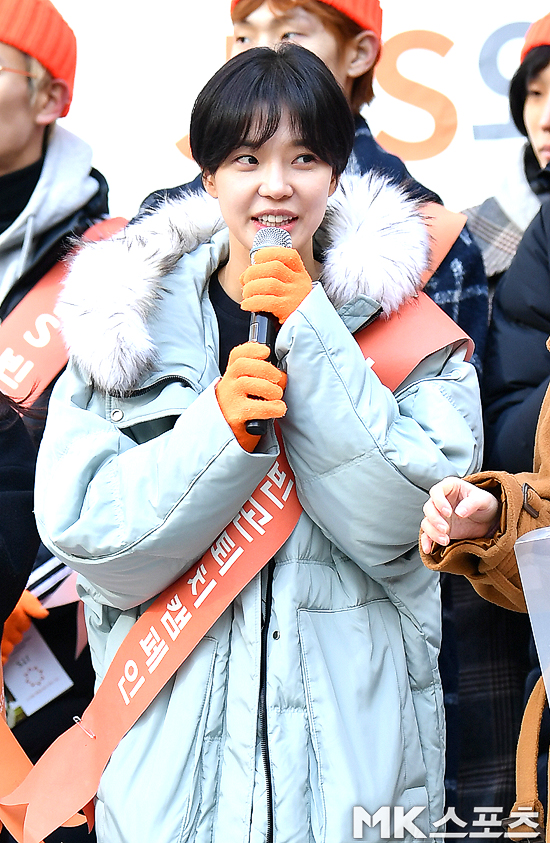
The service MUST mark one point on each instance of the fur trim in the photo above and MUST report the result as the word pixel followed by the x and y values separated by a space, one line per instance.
pixel 373 239
pixel 113 288
pixel 378 243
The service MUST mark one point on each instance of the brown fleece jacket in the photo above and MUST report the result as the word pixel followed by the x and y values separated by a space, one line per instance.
pixel 490 563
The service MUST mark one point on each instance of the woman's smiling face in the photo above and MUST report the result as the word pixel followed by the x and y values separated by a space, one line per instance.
pixel 280 183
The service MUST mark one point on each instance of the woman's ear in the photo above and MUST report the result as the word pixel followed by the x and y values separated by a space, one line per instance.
pixel 364 50
pixel 334 182
pixel 209 184
pixel 51 101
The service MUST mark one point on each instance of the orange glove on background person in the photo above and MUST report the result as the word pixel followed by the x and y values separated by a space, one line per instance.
pixel 27 607
pixel 247 379
pixel 276 283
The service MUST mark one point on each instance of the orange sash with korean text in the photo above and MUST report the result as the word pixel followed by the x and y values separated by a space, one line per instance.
pixel 65 780
pixel 32 351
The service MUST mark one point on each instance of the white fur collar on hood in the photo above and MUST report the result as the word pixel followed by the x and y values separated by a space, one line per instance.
pixel 373 239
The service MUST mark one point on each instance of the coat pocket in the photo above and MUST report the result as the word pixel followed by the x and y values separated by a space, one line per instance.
pixel 363 727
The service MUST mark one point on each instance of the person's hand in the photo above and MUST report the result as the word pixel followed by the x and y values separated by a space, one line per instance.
pixel 457 510
pixel 251 388
pixel 277 283
pixel 27 607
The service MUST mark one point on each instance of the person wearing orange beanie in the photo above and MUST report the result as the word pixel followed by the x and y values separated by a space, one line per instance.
pixel 38 64
pixel 49 193
pixel 498 223
pixel 346 34
pixel 48 188
pixel 36 28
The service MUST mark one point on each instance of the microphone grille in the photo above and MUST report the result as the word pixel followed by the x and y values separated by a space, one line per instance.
pixel 271 236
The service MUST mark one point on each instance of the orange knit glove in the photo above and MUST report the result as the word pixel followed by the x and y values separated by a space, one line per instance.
pixel 251 388
pixel 27 607
pixel 277 283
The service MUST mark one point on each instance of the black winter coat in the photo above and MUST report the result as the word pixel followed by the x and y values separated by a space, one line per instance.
pixel 18 535
pixel 516 367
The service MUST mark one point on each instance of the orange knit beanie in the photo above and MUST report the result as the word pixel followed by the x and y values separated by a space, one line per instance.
pixel 366 13
pixel 538 35
pixel 35 27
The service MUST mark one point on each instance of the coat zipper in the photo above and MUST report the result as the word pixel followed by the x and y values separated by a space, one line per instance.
pixel 262 716
pixel 164 379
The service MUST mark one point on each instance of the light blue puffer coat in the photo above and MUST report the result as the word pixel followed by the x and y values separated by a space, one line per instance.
pixel 132 490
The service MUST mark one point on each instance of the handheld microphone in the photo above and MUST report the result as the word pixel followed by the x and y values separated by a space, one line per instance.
pixel 264 326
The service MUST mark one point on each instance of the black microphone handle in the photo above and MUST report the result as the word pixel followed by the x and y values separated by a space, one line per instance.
pixel 263 328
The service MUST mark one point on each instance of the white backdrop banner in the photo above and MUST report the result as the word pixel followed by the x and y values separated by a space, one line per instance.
pixel 441 90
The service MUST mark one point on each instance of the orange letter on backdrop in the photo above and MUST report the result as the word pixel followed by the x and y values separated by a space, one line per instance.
pixel 183 144
pixel 440 107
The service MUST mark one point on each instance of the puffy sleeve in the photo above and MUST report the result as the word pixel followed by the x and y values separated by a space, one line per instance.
pixel 365 458
pixel 490 563
pixel 132 516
